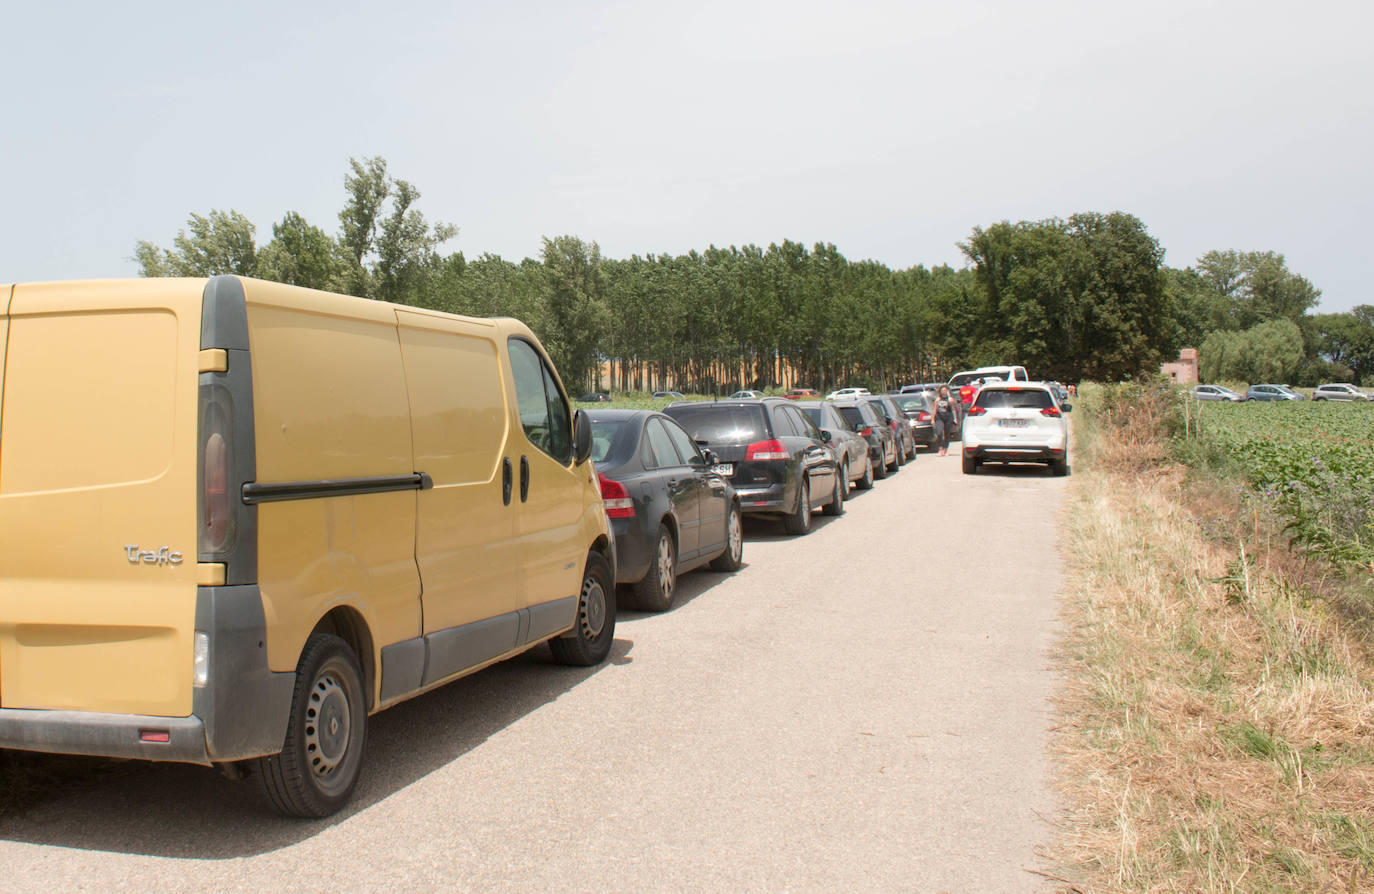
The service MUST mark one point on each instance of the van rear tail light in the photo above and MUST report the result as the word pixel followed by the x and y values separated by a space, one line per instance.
pixel 976 411
pixel 1052 412
pixel 616 498
pixel 216 493
pixel 765 450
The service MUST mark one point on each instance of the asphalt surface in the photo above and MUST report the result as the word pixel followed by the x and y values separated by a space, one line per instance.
pixel 860 709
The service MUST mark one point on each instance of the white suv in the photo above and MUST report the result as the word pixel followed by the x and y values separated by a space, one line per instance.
pixel 848 394
pixel 1016 422
pixel 1343 391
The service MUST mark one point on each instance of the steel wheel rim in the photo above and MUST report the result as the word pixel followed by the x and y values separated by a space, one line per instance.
pixel 592 610
pixel 665 565
pixel 735 534
pixel 328 725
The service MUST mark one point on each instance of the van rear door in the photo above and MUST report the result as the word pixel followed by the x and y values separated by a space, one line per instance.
pixel 97 496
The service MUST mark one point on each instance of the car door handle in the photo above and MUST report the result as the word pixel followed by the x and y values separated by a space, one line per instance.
pixel 524 479
pixel 507 480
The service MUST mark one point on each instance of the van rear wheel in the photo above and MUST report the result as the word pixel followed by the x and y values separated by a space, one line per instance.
pixel 589 642
pixel 322 757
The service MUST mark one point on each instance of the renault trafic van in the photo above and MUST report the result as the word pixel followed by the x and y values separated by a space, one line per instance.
pixel 238 517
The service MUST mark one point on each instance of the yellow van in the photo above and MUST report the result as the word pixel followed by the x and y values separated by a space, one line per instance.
pixel 238 517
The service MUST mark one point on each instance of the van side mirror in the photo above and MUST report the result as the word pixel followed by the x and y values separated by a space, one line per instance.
pixel 582 438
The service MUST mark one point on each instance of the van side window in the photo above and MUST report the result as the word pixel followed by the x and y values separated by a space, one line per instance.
pixel 544 413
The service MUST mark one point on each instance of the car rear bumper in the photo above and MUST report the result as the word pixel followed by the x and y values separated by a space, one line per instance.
pixel 632 550
pixel 1018 453
pixel 763 500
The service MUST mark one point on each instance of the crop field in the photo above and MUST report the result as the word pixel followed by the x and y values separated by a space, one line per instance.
pixel 1312 463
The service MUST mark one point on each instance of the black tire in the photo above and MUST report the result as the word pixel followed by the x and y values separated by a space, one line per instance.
pixel 589 642
pixel 970 464
pixel 654 592
pixel 866 482
pixel 1060 466
pixel 880 470
pixel 798 522
pixel 733 557
pixel 835 507
pixel 896 458
pixel 322 758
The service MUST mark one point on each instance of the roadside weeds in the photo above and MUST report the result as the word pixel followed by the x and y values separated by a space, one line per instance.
pixel 1217 716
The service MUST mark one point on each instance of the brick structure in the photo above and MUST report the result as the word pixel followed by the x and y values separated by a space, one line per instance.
pixel 1183 370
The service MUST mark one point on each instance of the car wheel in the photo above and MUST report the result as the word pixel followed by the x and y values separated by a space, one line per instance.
pixel 970 464
pixel 654 592
pixel 322 755
pixel 799 521
pixel 589 642
pixel 1060 466
pixel 836 505
pixel 893 464
pixel 866 482
pixel 733 557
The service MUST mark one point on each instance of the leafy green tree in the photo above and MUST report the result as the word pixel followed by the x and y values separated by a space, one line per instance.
pixel 390 253
pixel 1348 340
pixel 218 243
pixel 302 255
pixel 577 307
pixel 1247 288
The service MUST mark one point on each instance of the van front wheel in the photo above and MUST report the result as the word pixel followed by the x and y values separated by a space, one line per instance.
pixel 589 642
pixel 322 757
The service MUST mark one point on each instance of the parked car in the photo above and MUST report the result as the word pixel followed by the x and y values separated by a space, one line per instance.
pixel 965 385
pixel 1341 391
pixel 882 443
pixel 1019 422
pixel 848 393
pixel 746 394
pixel 1216 392
pixel 596 397
pixel 773 455
pixel 921 386
pixel 900 425
pixel 1272 392
pixel 849 448
pixel 919 407
pixel 670 510
pixel 801 393
pixel 670 395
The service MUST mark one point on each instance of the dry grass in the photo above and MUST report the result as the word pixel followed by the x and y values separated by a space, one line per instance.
pixel 1218 719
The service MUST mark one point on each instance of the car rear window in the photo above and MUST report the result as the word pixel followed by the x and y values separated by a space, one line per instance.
pixel 1022 399
pixel 721 424
pixel 604 433
pixel 911 402
pixel 854 416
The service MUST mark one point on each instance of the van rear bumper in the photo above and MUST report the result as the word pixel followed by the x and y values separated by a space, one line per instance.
pixel 241 713
pixel 103 735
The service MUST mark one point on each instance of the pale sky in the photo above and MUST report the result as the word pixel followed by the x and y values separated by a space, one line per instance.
pixel 890 129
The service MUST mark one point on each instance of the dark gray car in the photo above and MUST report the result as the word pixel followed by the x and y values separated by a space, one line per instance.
pixel 773 455
pixel 669 511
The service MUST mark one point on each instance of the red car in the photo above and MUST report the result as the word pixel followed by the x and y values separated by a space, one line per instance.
pixel 802 394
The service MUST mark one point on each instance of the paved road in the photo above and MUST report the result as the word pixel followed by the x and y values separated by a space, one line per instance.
pixel 862 709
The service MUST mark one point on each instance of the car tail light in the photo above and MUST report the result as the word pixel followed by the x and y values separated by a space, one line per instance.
pixel 616 498
pixel 977 411
pixel 1052 412
pixel 923 416
pixel 765 450
pixel 867 431
pixel 892 424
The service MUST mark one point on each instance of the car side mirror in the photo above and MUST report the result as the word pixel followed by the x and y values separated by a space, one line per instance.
pixel 582 437
pixel 709 456
pixel 826 437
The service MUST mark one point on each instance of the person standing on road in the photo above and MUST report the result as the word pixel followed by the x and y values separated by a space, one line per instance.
pixel 943 419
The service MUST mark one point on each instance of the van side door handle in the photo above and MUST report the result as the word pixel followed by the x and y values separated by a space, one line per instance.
pixel 524 479
pixel 507 480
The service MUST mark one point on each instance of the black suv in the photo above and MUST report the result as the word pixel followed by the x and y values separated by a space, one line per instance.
pixel 774 456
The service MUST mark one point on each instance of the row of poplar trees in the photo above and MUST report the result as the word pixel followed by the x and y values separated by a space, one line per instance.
pixel 1082 298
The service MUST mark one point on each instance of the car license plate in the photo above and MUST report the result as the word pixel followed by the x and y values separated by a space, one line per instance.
pixel 1014 423
pixel 726 469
